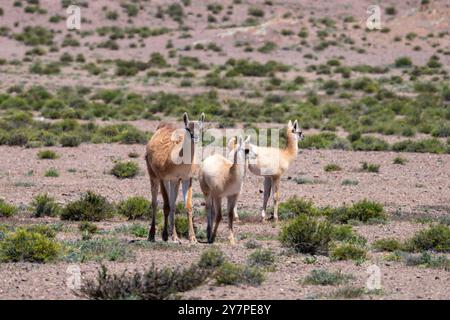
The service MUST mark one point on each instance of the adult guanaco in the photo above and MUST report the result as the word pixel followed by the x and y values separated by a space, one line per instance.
pixel 272 163
pixel 171 161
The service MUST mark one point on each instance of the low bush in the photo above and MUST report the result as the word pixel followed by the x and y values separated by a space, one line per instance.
pixel 262 258
pixel 370 167
pixel 211 259
pixel 307 234
pixel 400 160
pixel 426 259
pixel 27 246
pixel 294 207
pixel 51 173
pixel 7 210
pixel 134 208
pixel 326 278
pixel 368 143
pixel 91 207
pixel 154 283
pixel 43 205
pixel 332 167
pixel 88 228
pixel 233 274
pixel 125 170
pixel 96 249
pixel 432 145
pixel 70 140
pixel 345 233
pixel 403 62
pixel 347 251
pixel 436 238
pixel 364 211
pixel 388 244
pixel 47 154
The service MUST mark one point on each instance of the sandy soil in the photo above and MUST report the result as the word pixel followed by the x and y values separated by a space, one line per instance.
pixel 421 187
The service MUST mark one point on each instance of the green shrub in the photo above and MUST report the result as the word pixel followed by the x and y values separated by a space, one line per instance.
pixel 369 143
pixel 23 245
pixel 96 249
pixel 211 259
pixel 423 146
pixel 347 251
pixel 134 208
pixel 138 230
pixel 323 277
pixel 45 230
pixel 332 167
pixel 294 207
pixel 47 154
pixel 233 274
pixel 7 210
pixel 348 292
pixel 51 173
pixel 33 36
pixel 391 11
pixel 182 226
pixel 45 69
pixel 263 258
pixel 348 182
pixel 307 234
pixel 152 284
pixel 403 62
pixel 370 167
pixel 426 259
pixel 388 244
pixel 400 160
pixel 255 12
pixel 70 140
pixel 124 170
pixel 44 205
pixel 87 227
pixel 345 233
pixel 91 207
pixel 435 238
pixel 363 211
pixel 318 141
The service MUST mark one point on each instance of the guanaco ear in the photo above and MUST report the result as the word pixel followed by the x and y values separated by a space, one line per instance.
pixel 232 144
pixel 295 125
pixel 290 124
pixel 241 141
pixel 185 119
pixel 247 140
pixel 202 118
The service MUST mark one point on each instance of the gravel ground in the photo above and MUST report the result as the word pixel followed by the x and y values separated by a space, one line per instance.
pixel 418 189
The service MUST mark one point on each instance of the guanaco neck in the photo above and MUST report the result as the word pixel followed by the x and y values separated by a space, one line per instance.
pixel 188 148
pixel 238 167
pixel 291 149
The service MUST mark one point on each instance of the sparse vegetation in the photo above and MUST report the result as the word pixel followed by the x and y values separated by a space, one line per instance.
pixel 324 277
pixel 44 205
pixel 90 207
pixel 27 246
pixel 124 170
pixel 6 209
pixel 134 208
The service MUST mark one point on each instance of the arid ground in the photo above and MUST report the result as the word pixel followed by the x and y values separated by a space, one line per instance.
pixel 379 97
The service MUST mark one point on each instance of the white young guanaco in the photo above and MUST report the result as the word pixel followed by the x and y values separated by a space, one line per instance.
pixel 170 161
pixel 219 177
pixel 271 163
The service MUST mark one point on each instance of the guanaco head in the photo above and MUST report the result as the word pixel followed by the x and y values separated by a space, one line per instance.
pixel 194 128
pixel 295 130
pixel 239 144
